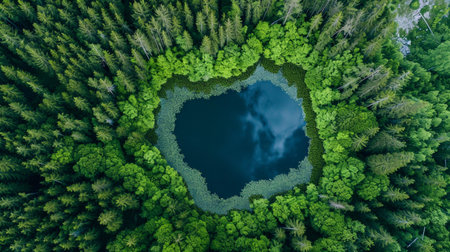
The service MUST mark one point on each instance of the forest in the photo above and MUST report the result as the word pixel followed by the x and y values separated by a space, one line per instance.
pixel 80 89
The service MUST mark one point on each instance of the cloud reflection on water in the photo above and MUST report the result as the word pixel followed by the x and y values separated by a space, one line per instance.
pixel 271 120
pixel 235 138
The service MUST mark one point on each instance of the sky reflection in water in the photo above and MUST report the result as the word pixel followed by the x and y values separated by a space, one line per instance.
pixel 239 137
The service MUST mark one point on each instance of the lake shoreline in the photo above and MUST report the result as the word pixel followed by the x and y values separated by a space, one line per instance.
pixel 196 183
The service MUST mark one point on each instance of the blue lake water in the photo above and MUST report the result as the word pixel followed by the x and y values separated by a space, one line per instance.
pixel 238 137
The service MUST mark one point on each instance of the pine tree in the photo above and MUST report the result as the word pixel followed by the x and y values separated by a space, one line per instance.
pixel 384 141
pixel 98 52
pixel 385 164
pixel 280 234
pixel 402 180
pixel 154 31
pixel 267 8
pixel 30 81
pixel 164 18
pixel 141 10
pixel 142 42
pixel 291 7
pixel 229 33
pixel 349 27
pixel 301 244
pixel 187 41
pixel 402 107
pixel 360 142
pixel 166 40
pixel 103 133
pixel 87 30
pixel 125 82
pixel 296 227
pixel 111 219
pixel 333 23
pixel 382 237
pixel 188 18
pixel 125 62
pixel 339 47
pixel 214 42
pixel 177 28
pixel 394 194
pixel 222 37
pixel 110 61
pixel 80 137
pixel 315 23
pixel 373 47
pixel 39 59
pixel 126 201
pixel 248 13
pixel 51 103
pixel 237 29
pixel 382 99
pixel 374 83
pixel 257 12
pixel 138 59
pixel 212 21
pixel 111 109
pixel 397 83
pixel 118 42
pixel 206 46
pixel 402 219
pixel 200 22
pixel 11 93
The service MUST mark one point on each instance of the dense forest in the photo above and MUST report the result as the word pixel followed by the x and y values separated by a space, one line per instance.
pixel 80 83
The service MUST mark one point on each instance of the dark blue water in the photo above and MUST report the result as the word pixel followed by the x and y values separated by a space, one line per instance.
pixel 235 138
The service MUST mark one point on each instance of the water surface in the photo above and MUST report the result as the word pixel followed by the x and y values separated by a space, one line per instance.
pixel 235 138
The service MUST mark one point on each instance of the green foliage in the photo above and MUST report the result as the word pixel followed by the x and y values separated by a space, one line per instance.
pixel 437 59
pixel 385 164
pixel 355 119
pixel 295 76
pixel 414 4
pixel 372 186
pixel 173 103
pixel 90 160
pixel 80 88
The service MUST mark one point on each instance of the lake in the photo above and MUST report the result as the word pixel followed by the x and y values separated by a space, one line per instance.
pixel 238 137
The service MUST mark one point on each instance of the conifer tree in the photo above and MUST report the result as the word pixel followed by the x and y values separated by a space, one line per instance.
pixel 291 8
pixel 237 29
pixel 188 18
pixel 384 141
pixel 229 32
pixel 394 194
pixel 206 47
pixel 186 43
pixel 222 37
pixel 315 23
pixel 200 23
pixel 384 164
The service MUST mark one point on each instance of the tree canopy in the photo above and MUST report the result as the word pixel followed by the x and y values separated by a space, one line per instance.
pixel 80 85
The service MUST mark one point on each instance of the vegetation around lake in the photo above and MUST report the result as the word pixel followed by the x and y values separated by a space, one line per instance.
pixel 83 92
pixel 171 106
